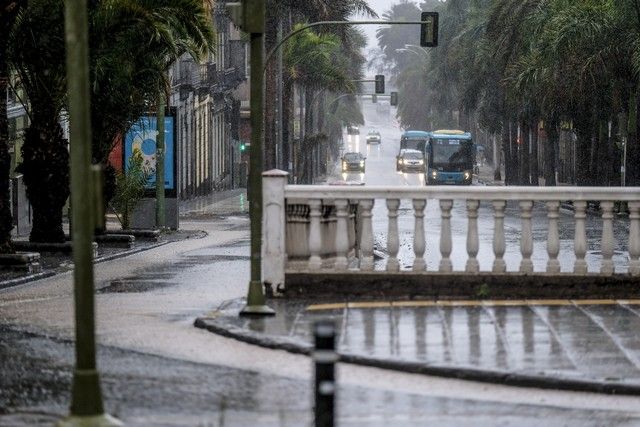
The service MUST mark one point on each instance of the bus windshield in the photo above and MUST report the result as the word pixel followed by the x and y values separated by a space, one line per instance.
pixel 413 144
pixel 452 152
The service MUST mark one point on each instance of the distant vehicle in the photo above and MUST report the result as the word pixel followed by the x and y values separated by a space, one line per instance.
pixel 450 158
pixel 373 137
pixel 411 161
pixel 353 162
pixel 353 130
pixel 383 107
pixel 412 140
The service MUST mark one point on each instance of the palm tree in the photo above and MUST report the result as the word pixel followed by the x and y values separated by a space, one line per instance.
pixel 132 44
pixel 37 53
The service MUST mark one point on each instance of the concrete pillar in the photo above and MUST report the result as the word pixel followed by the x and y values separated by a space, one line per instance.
pixel 274 255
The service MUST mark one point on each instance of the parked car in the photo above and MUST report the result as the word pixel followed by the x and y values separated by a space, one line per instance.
pixel 373 137
pixel 353 130
pixel 410 161
pixel 353 162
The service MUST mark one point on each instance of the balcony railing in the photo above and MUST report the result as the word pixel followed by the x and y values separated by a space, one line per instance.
pixel 330 228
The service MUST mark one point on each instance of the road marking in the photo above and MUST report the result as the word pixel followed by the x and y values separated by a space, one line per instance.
pixel 466 303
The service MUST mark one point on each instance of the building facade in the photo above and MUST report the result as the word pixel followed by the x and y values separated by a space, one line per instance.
pixel 208 142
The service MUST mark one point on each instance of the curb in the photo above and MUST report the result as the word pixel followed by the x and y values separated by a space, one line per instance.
pixel 462 373
pixel 30 278
pixel 46 274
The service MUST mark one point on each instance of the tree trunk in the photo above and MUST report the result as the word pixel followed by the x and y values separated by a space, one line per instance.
pixel 45 167
pixel 525 135
pixel 632 166
pixel 551 128
pixel 534 154
pixel 506 149
pixel 6 220
pixel 497 176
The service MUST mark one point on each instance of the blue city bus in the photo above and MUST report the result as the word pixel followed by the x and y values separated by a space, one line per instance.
pixel 412 140
pixel 450 156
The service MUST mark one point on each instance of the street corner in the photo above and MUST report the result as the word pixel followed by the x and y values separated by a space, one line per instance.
pixel 549 344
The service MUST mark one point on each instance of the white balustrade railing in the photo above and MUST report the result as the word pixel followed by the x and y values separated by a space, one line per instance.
pixel 344 200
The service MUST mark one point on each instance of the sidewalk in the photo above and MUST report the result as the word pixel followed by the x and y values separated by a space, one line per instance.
pixel 222 203
pixel 570 345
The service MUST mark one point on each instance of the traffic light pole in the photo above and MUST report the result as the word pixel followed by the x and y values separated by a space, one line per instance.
pixel 256 300
pixel 86 397
pixel 322 23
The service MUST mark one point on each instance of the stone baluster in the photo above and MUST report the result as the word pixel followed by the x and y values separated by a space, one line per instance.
pixel 366 237
pixel 472 236
pixel 580 242
pixel 634 238
pixel 419 244
pixel 445 236
pixel 342 234
pixel 607 266
pixel 315 236
pixel 526 237
pixel 499 246
pixel 553 239
pixel 393 240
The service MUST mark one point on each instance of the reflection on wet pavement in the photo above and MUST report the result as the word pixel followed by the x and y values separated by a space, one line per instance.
pixel 583 341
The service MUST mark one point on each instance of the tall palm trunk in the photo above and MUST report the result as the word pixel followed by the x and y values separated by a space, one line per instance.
pixel 551 127
pixel 6 220
pixel 45 167
pixel 534 153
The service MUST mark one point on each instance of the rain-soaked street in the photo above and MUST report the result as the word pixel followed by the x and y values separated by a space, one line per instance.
pixel 380 170
pixel 159 370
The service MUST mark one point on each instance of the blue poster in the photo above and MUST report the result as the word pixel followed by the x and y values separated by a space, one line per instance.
pixel 142 136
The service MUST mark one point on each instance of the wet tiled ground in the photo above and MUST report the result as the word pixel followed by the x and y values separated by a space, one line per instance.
pixel 570 339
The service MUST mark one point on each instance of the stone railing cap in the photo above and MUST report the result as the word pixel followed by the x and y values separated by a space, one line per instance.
pixel 275 173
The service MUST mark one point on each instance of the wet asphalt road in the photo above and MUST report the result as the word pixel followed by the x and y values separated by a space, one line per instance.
pixel 380 170
pixel 146 390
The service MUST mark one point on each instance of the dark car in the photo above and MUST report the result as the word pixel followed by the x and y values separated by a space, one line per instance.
pixel 410 161
pixel 373 137
pixel 353 162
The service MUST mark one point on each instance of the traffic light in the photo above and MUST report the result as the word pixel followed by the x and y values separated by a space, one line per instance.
pixel 242 146
pixel 394 99
pixel 244 15
pixel 374 98
pixel 379 83
pixel 429 29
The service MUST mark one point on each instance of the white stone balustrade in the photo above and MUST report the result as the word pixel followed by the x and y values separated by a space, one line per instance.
pixel 342 199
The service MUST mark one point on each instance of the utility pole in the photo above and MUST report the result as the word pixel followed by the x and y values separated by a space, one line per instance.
pixel 160 203
pixel 86 396
pixel 254 12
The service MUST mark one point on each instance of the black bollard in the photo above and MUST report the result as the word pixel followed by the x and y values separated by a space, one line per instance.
pixel 325 359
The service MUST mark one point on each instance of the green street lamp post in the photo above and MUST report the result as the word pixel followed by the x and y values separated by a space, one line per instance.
pixel 86 400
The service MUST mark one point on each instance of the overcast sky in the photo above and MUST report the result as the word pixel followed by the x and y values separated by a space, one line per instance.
pixel 379 6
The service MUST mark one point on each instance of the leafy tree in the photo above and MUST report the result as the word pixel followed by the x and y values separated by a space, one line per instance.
pixel 132 43
pixel 37 52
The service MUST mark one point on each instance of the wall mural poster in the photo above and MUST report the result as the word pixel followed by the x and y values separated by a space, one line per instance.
pixel 142 136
